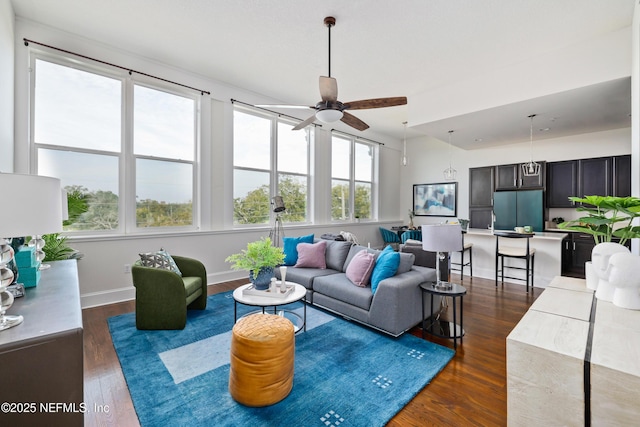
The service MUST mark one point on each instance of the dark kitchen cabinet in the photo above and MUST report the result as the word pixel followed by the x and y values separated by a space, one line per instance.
pixel 622 176
pixel 481 186
pixel 510 177
pixel 576 250
pixel 601 176
pixel 594 176
pixel 562 183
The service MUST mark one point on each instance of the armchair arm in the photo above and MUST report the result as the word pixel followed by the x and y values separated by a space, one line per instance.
pixel 190 267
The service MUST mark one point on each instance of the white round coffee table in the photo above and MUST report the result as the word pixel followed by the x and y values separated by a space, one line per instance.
pixel 298 294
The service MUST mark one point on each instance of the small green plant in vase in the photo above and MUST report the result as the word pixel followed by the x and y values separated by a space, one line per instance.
pixel 259 259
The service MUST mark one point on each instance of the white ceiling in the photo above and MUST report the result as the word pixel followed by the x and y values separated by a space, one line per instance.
pixel 380 48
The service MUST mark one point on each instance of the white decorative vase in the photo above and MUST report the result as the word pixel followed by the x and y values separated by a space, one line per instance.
pixel 591 276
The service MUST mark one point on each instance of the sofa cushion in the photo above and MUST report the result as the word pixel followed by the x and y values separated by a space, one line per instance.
pixel 336 254
pixel 311 255
pixel 305 276
pixel 290 246
pixel 406 262
pixel 192 284
pixel 360 268
pixel 339 287
pixel 386 266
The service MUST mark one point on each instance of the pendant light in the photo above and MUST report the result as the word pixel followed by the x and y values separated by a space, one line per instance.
pixel 450 173
pixel 404 146
pixel 532 168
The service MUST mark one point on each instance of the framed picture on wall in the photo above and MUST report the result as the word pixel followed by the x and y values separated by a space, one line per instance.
pixel 439 199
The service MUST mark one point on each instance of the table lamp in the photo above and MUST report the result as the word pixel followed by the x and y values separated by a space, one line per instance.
pixel 442 238
pixel 31 205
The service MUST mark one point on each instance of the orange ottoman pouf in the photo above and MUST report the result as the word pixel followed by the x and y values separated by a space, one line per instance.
pixel 262 358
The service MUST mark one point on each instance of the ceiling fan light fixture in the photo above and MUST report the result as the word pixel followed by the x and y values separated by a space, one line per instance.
pixel 329 116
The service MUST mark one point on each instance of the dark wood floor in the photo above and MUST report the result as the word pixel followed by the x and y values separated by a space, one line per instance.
pixel 471 390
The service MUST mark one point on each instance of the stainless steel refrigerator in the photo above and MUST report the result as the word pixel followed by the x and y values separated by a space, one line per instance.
pixel 517 209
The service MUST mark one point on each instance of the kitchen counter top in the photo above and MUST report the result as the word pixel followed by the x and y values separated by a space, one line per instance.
pixel 556 235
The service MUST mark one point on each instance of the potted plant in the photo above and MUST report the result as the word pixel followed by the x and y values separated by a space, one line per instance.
pixel 259 259
pixel 607 217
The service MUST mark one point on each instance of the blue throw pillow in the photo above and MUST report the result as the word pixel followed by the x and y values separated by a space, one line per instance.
pixel 290 246
pixel 386 266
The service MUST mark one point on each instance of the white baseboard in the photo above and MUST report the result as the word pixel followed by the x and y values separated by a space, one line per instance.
pixel 112 296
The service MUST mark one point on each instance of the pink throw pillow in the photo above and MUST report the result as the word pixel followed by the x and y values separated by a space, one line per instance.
pixel 360 268
pixel 311 255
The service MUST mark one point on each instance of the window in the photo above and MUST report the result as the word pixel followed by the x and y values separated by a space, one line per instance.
pixel 269 159
pixel 81 121
pixel 351 179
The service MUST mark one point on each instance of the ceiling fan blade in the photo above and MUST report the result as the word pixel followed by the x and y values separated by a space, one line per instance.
pixel 305 123
pixel 376 103
pixel 353 121
pixel 328 89
pixel 283 106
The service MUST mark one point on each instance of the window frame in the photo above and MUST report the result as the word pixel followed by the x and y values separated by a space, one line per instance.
pixel 274 172
pixel 127 200
pixel 352 181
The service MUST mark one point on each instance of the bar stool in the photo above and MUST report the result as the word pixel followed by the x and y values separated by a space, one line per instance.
pixel 467 248
pixel 527 253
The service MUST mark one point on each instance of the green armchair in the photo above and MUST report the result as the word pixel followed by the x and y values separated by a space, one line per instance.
pixel 163 297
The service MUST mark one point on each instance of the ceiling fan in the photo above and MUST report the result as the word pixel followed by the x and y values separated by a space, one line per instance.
pixel 329 109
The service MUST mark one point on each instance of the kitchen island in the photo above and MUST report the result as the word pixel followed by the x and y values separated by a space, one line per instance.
pixel 548 258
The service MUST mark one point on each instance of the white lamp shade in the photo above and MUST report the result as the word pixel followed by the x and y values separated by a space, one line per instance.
pixel 329 116
pixel 31 204
pixel 442 238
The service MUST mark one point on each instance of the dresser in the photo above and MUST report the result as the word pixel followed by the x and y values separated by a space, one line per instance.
pixel 42 358
pixel 574 360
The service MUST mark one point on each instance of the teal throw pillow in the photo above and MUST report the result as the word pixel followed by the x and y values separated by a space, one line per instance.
pixel 290 246
pixel 386 266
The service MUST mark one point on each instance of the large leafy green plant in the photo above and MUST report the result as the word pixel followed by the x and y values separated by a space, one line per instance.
pixel 607 217
pixel 56 248
pixel 259 254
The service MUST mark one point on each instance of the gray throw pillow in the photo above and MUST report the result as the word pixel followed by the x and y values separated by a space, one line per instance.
pixel 406 262
pixel 160 259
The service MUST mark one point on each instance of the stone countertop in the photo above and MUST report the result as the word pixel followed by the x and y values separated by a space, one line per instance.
pixel 537 235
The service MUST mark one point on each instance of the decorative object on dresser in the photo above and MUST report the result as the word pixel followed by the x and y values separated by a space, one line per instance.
pixel 624 277
pixel 260 258
pixel 442 238
pixel 36 209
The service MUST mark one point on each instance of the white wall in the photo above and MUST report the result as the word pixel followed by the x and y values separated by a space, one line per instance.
pixel 102 276
pixel 6 87
pixel 429 157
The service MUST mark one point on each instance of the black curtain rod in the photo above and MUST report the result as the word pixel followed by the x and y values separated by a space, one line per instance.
pixel 233 101
pixel 357 137
pixel 202 92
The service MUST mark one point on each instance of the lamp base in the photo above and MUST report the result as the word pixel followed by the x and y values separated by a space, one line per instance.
pixel 9 321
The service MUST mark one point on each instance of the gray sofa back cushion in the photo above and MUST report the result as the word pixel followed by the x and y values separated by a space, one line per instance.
pixel 336 254
pixel 406 262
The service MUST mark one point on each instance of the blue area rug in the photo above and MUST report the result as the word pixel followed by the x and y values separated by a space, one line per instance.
pixel 345 374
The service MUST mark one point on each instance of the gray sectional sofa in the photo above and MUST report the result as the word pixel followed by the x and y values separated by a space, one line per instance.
pixel 396 305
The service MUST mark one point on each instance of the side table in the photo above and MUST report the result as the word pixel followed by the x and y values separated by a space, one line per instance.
pixel 438 327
